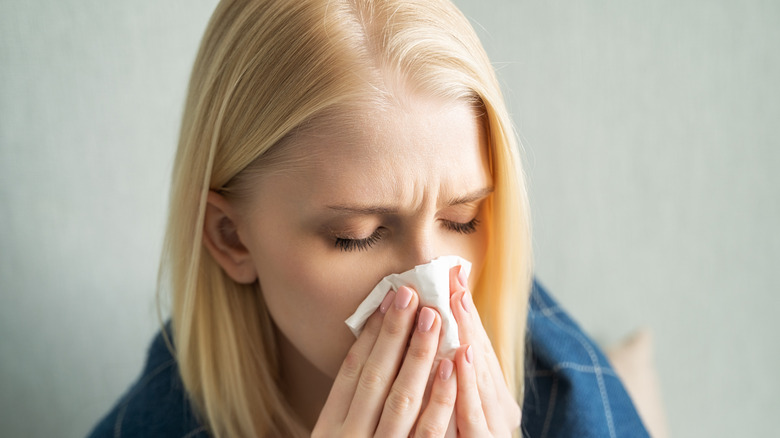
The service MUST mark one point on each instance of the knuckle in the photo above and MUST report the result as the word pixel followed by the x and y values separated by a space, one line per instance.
pixel 431 430
pixel 351 366
pixel 400 401
pixel 419 352
pixel 443 399
pixel 372 378
pixel 473 417
pixel 393 327
pixel 485 380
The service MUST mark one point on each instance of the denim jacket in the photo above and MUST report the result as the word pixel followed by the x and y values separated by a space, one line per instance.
pixel 571 391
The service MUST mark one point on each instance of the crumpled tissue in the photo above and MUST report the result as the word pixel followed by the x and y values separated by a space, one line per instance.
pixel 432 283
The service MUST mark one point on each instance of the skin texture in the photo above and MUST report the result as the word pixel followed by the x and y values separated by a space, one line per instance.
pixel 375 192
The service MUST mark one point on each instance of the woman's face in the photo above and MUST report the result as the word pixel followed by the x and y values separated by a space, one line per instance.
pixel 376 192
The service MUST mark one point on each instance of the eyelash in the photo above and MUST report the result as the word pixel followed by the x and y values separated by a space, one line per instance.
pixel 358 244
pixel 346 245
pixel 467 228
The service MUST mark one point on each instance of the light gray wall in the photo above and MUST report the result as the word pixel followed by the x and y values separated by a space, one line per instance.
pixel 91 93
pixel 651 153
pixel 651 129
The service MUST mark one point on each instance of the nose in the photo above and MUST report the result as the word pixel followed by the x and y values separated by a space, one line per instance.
pixel 418 254
pixel 419 248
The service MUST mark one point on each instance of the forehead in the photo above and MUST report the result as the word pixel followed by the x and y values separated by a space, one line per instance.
pixel 403 132
pixel 397 152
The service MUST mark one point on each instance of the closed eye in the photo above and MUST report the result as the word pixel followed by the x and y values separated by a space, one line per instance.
pixel 347 244
pixel 463 228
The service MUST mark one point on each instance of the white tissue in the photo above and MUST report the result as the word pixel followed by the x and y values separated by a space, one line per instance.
pixel 432 283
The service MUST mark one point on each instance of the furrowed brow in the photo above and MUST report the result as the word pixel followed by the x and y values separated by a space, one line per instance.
pixel 384 210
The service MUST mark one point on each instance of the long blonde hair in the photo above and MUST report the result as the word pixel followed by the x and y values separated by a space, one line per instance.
pixel 264 68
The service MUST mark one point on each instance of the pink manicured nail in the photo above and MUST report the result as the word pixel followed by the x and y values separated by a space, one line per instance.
pixel 469 355
pixel 445 369
pixel 464 281
pixel 425 320
pixel 387 301
pixel 403 297
pixel 465 301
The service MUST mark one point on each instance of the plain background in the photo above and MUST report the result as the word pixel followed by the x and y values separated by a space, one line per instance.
pixel 651 140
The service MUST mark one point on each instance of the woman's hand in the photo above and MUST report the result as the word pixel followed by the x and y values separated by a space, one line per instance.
pixel 485 405
pixel 379 388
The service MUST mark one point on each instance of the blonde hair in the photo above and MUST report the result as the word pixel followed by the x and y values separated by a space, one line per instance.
pixel 265 68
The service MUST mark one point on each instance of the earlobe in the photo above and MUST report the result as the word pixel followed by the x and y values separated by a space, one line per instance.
pixel 221 238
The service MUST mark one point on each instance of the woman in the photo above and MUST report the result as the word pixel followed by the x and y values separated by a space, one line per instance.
pixel 325 145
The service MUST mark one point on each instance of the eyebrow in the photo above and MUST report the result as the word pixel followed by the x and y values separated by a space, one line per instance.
pixel 471 197
pixel 379 209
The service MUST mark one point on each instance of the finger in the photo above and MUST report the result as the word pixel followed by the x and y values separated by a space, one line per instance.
pixel 459 283
pixel 457 280
pixel 436 416
pixel 478 330
pixel 506 398
pixel 463 307
pixel 381 367
pixel 486 381
pixel 402 406
pixel 343 390
pixel 468 406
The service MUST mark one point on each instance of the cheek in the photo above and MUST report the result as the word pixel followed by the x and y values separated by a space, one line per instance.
pixel 309 294
pixel 472 247
pixel 477 250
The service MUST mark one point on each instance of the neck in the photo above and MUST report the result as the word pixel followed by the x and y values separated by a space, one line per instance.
pixel 305 387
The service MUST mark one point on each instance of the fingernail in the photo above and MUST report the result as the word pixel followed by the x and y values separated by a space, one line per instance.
pixel 403 297
pixel 469 355
pixel 462 278
pixel 425 320
pixel 445 369
pixel 387 301
pixel 465 301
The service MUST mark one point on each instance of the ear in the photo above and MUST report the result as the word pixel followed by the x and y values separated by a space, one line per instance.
pixel 221 238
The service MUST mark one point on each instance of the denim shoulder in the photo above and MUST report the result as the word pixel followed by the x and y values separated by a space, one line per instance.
pixel 571 389
pixel 156 405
